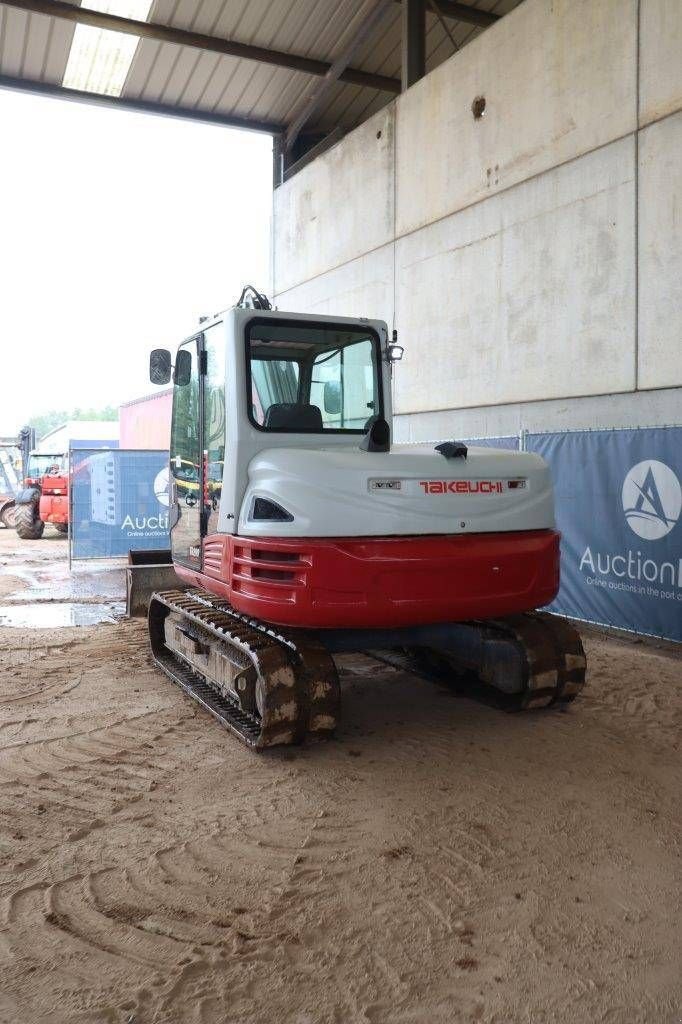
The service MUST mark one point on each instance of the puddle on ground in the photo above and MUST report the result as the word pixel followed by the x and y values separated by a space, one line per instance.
pixel 66 613
pixel 55 581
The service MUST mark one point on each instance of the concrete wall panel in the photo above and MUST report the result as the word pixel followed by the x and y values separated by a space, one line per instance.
pixel 559 79
pixel 362 287
pixel 598 412
pixel 529 295
pixel 660 59
pixel 660 254
pixel 338 207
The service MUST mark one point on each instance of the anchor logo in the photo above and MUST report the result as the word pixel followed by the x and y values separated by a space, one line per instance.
pixel 161 486
pixel 652 499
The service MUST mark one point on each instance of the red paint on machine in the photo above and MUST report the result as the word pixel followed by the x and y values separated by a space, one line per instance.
pixel 369 582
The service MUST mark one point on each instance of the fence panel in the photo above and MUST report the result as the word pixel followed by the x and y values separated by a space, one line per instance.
pixel 118 502
pixel 10 480
pixel 618 501
pixel 511 441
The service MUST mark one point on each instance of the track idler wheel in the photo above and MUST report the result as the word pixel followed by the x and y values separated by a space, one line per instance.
pixel 520 663
pixel 553 662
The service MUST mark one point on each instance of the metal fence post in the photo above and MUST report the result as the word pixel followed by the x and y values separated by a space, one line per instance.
pixel 70 489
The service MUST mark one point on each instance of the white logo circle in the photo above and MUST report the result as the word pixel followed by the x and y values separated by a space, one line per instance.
pixel 161 486
pixel 652 499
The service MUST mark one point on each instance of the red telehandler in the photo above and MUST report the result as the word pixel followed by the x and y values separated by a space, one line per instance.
pixel 45 497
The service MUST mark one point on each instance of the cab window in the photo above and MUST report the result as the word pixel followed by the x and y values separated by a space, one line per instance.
pixel 312 378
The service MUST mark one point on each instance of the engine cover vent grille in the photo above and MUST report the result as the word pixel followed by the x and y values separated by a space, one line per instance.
pixel 264 510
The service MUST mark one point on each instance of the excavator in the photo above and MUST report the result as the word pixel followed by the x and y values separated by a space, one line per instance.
pixel 315 535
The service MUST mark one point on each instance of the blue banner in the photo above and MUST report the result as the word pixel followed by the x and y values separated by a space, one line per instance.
pixel 618 506
pixel 119 502
pixel 83 444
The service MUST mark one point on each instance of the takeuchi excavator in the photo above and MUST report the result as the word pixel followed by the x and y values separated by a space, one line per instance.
pixel 315 535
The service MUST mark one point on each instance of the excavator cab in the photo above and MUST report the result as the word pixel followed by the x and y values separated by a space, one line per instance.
pixel 255 379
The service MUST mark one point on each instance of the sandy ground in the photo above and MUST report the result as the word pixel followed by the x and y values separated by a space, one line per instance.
pixel 438 861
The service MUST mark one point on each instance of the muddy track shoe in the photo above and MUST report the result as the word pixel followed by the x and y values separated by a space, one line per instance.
pixel 520 663
pixel 265 686
pixel 555 662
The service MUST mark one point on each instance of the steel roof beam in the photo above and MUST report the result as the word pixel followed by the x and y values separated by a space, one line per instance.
pixel 320 147
pixel 466 13
pixel 140 106
pixel 413 42
pixel 321 90
pixel 212 44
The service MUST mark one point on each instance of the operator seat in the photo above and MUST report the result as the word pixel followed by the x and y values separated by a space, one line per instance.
pixel 293 416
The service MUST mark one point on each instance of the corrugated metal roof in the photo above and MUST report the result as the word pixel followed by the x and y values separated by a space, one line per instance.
pixel 35 48
pixel 174 74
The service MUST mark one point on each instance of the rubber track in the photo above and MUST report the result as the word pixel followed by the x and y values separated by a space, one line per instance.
pixel 550 652
pixel 299 680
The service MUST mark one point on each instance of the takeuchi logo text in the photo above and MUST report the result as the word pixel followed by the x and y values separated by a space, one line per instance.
pixel 461 486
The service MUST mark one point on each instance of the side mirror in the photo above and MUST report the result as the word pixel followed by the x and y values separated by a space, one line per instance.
pixel 183 368
pixel 160 366
pixel 332 397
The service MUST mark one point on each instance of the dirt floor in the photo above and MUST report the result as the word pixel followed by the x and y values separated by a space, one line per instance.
pixel 439 861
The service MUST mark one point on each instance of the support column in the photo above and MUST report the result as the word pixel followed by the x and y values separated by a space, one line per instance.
pixel 413 42
pixel 278 154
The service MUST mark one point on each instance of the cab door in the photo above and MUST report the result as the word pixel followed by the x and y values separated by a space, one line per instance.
pixel 213 422
pixel 186 463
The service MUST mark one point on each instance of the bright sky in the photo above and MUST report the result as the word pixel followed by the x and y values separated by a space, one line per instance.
pixel 118 230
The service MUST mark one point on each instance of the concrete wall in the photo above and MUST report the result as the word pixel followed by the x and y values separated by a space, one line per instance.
pixel 531 258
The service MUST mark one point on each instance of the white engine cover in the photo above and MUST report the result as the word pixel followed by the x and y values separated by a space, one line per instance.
pixel 411 490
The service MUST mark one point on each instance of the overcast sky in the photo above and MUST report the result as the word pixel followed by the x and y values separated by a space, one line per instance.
pixel 118 230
